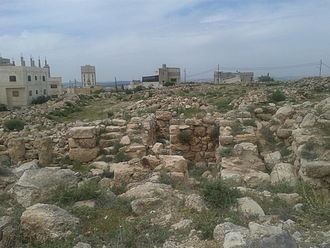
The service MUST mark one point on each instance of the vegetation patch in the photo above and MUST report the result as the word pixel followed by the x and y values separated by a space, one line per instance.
pixel 184 137
pixel 40 100
pixel 188 112
pixel 218 194
pixel 14 125
pixel 237 129
pixel 226 152
pixel 250 122
pixel 277 96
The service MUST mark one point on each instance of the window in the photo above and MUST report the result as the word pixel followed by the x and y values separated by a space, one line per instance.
pixel 29 78
pixel 12 78
pixel 37 92
pixel 15 93
pixel 35 78
pixel 30 92
pixel 43 78
pixel 53 86
pixel 44 92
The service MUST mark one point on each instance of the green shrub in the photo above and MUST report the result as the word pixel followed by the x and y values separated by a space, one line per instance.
pixel 190 112
pixel 184 137
pixel 40 100
pixel 226 152
pixel 206 221
pixel 3 107
pixel 14 125
pixel 110 114
pixel 265 78
pixel 316 204
pixel 165 178
pixel 139 88
pixel 223 104
pixel 65 196
pixel 4 171
pixel 308 150
pixel 277 96
pixel 237 129
pixel 121 157
pixel 268 135
pixel 167 84
pixel 218 194
pixel 250 122
pixel 284 151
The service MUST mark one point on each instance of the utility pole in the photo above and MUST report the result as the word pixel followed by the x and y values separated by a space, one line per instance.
pixel 116 84
pixel 185 75
pixel 218 74
pixel 320 73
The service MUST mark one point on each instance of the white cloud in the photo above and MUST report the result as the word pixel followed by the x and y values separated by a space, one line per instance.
pixel 132 37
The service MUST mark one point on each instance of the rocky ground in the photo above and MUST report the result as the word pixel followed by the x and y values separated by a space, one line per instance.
pixel 185 166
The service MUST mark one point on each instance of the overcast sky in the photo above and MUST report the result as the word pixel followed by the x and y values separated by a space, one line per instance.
pixel 131 38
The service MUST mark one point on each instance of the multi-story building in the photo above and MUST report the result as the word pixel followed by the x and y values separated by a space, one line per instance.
pixel 233 77
pixel 19 85
pixel 163 75
pixel 88 76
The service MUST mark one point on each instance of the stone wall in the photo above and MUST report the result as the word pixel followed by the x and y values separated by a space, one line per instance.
pixel 202 143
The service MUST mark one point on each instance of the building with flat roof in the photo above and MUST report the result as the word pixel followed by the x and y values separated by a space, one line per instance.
pixel 19 85
pixel 163 75
pixel 88 76
pixel 232 77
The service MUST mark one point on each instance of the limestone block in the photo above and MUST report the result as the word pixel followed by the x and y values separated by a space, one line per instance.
pixel 83 155
pixel 82 132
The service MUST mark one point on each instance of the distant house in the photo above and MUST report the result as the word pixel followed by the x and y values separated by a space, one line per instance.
pixel 163 75
pixel 232 77
pixel 19 85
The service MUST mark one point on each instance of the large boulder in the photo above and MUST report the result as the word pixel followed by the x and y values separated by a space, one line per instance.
pixel 37 185
pixel 222 229
pixel 249 207
pixel 283 173
pixel 147 190
pixel 316 169
pixel 16 149
pixel 280 240
pixel 284 113
pixel 44 222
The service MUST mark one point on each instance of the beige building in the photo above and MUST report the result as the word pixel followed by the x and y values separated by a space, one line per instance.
pixel 163 75
pixel 19 85
pixel 88 76
pixel 233 77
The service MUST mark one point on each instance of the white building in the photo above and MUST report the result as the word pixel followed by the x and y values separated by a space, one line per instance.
pixel 232 77
pixel 88 76
pixel 19 85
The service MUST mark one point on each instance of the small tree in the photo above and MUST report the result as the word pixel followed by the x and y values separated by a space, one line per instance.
pixel 265 78
pixel 277 96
